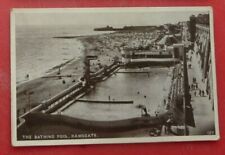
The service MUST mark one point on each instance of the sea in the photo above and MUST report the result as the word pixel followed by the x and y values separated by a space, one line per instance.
pixel 37 49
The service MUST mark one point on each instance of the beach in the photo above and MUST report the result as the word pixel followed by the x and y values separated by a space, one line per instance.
pixel 32 92
pixel 105 45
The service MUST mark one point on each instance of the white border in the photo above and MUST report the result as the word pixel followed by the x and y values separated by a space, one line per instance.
pixel 15 142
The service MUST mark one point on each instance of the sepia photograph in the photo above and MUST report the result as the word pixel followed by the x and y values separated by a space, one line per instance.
pixel 113 75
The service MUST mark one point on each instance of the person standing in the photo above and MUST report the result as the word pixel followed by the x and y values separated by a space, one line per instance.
pixel 109 97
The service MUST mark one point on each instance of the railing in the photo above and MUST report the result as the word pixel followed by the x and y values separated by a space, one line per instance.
pixel 45 104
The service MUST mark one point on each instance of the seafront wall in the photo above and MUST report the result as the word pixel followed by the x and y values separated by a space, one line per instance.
pixel 62 125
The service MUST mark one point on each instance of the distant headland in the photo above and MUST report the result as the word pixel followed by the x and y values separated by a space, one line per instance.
pixel 128 28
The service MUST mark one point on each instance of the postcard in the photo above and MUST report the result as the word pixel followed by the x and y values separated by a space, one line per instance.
pixel 113 75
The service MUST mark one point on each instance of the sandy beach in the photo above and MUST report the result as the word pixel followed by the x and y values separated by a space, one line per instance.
pixel 33 92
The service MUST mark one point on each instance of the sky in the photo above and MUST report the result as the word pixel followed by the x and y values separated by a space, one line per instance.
pixel 104 17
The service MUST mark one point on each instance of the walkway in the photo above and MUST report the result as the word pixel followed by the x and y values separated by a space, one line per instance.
pixel 202 107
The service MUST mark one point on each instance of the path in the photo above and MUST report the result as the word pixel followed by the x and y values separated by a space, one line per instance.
pixel 202 107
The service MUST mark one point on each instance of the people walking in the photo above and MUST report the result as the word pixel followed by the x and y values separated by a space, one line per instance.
pixel 203 93
pixel 195 93
pixel 109 97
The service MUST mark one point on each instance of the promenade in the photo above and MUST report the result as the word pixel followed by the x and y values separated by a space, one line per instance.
pixel 201 104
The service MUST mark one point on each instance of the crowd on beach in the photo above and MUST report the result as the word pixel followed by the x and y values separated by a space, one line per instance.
pixel 108 46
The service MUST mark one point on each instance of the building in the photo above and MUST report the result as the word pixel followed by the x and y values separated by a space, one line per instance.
pixel 166 57
pixel 203 49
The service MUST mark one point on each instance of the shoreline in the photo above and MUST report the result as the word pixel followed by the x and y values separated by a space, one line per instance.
pixel 48 72
pixel 107 48
pixel 31 93
pixel 44 56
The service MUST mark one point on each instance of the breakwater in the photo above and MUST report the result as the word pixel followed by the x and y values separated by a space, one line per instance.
pixel 60 123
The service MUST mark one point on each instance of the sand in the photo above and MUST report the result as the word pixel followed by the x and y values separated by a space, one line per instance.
pixel 33 92
pixel 106 47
